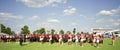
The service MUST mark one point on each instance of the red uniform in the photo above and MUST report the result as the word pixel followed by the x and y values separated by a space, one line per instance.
pixel 113 37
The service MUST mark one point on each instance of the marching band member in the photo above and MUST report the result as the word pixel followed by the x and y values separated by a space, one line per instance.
pixel 60 40
pixel 113 39
pixel 76 39
pixel 70 39
pixel 83 38
pixel 41 38
pixel 94 38
pixel 97 41
pixel 50 39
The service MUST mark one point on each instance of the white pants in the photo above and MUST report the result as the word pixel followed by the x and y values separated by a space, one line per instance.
pixel 94 40
pixel 82 40
pixel 50 39
pixel 69 39
pixel 97 41
pixel 41 39
pixel 60 40
pixel 76 40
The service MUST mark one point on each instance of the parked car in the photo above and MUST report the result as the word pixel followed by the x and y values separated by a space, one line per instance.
pixel 107 35
pixel 116 32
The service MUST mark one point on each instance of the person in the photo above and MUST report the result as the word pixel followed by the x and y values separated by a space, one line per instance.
pixel 50 39
pixel 101 38
pixel 41 37
pixel 60 40
pixel 113 39
pixel 94 38
pixel 0 38
pixel 70 39
pixel 17 38
pixel 97 41
pixel 82 38
pixel 76 39
pixel 21 40
pixel 8 38
pixel 27 38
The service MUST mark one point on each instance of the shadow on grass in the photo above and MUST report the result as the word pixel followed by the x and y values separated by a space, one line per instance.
pixel 23 44
pixel 109 44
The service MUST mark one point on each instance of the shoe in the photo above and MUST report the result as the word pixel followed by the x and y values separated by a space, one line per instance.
pixel 82 46
pixel 97 47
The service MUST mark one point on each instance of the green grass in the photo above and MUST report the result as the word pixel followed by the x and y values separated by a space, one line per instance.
pixel 37 46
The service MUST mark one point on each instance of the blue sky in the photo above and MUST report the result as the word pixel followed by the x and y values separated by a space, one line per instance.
pixel 60 14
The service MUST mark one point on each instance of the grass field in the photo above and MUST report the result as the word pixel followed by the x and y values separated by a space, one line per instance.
pixel 46 46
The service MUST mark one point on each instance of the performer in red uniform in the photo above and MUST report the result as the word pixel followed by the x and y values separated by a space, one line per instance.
pixel 76 39
pixel 41 37
pixel 97 41
pixel 82 38
pixel 94 38
pixel 50 39
pixel 113 39
pixel 60 40
pixel 70 39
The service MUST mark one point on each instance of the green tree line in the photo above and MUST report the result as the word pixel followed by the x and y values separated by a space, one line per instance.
pixel 25 30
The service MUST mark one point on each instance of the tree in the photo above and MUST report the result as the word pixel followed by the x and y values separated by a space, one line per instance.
pixel 74 30
pixel 61 32
pixel 52 31
pixel 7 30
pixel 87 33
pixel 78 32
pixel 48 31
pixel 41 31
pixel 68 32
pixel 3 28
pixel 25 30
pixel 34 32
pixel 12 32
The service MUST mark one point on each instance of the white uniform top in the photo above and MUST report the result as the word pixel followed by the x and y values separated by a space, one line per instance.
pixel 50 37
pixel 76 37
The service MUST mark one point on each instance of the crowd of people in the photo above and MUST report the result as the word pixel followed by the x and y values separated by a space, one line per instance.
pixel 94 39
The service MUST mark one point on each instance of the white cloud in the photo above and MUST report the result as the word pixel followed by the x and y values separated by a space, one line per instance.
pixel 42 3
pixel 109 12
pixel 69 11
pixel 52 20
pixel 33 18
pixel 8 16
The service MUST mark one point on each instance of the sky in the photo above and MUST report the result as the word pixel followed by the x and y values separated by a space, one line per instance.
pixel 60 14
